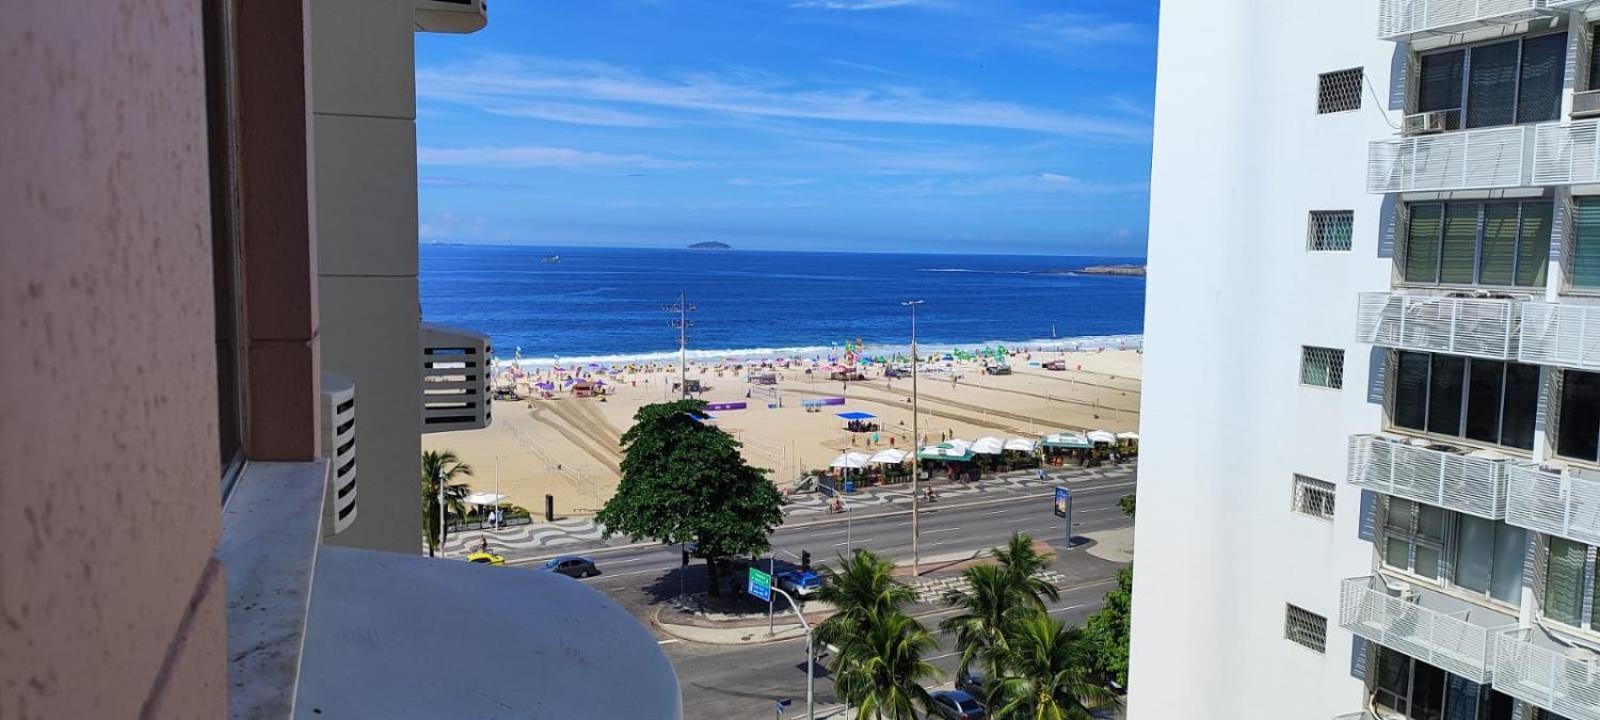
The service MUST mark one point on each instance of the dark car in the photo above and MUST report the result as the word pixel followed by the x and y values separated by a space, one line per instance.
pixel 971 683
pixel 571 566
pixel 957 705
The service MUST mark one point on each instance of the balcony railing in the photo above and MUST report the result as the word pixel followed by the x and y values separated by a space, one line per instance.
pixel 1405 19
pixel 1447 640
pixel 1429 473
pixel 1534 669
pixel 1464 160
pixel 1567 154
pixel 1356 716
pixel 1572 4
pixel 1477 327
pixel 455 379
pixel 1565 504
pixel 1560 334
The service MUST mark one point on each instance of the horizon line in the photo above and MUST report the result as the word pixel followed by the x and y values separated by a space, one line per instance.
pixel 1141 258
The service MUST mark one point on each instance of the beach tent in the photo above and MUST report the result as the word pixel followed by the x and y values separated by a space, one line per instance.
pixel 856 415
pixel 1101 436
pixel 1128 436
pixel 1022 445
pixel 851 460
pixel 988 445
pixel 891 456
pixel 484 498
pixel 1067 440
pixel 945 451
pixel 957 443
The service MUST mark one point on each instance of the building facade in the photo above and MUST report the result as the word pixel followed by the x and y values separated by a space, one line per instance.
pixel 1372 393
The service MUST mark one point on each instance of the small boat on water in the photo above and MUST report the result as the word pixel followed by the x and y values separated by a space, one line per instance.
pixel 550 260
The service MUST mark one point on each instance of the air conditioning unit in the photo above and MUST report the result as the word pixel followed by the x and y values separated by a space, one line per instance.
pixel 1401 590
pixel 1428 123
pixel 450 16
pixel 1586 104
pixel 339 446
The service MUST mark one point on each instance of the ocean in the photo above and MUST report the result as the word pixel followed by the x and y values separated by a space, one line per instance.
pixel 608 305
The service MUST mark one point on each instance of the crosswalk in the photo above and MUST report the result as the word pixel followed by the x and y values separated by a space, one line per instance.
pixel 934 590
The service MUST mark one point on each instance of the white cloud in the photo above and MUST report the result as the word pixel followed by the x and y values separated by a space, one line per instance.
pixel 852 4
pixel 774 182
pixel 494 83
pixel 1082 29
pixel 540 156
pixel 1013 185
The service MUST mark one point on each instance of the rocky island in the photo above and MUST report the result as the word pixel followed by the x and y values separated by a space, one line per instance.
pixel 710 245
pixel 1120 270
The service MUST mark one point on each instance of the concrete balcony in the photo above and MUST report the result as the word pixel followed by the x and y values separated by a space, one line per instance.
pixel 1533 667
pixel 1475 327
pixel 1548 500
pixel 455 379
pixel 1402 20
pixel 1440 475
pixel 1430 626
pixel 1482 159
pixel 1567 154
pixel 1561 335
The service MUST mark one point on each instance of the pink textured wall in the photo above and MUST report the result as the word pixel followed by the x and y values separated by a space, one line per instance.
pixel 110 604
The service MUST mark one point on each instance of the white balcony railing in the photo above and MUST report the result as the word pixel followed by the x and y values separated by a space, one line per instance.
pixel 1464 160
pixel 1566 154
pixel 1560 334
pixel 1477 327
pixel 1565 681
pixel 1431 474
pixel 1404 19
pixel 1553 502
pixel 1444 640
pixel 1572 4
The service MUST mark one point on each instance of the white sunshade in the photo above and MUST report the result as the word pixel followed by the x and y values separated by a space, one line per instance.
pixel 988 445
pixel 483 498
pixel 1101 436
pixel 891 456
pixel 958 444
pixel 1021 445
pixel 1128 436
pixel 850 460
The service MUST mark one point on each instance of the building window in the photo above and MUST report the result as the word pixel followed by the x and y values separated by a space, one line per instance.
pixel 1594 58
pixel 1571 583
pixel 1583 252
pixel 1487 556
pixel 1330 230
pixel 1473 243
pixel 1322 367
pixel 1501 83
pixel 1339 91
pixel 1578 429
pixel 1413 538
pixel 1414 689
pixel 1485 400
pixel 1305 627
pixel 1313 497
pixel 227 293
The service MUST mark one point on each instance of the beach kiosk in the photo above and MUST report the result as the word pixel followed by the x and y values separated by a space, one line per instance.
pixel 584 388
pixel 1061 447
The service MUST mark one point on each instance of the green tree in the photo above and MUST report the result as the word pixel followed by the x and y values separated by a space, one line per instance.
pixel 1126 502
pixel 996 596
pixel 685 481
pixel 1109 627
pixel 437 465
pixel 861 590
pixel 1046 673
pixel 1022 565
pixel 880 668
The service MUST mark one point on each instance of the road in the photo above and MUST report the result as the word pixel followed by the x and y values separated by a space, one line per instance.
pixel 731 681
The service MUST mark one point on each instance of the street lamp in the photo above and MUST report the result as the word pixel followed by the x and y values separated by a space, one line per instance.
pixel 916 438
pixel 811 655
pixel 772 572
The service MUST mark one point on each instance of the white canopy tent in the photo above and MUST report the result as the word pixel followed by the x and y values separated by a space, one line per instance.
pixel 850 461
pixel 483 498
pixel 1128 436
pixel 1022 445
pixel 1101 436
pixel 988 445
pixel 889 456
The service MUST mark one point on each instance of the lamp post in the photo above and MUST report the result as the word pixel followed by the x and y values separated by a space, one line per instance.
pixel 438 479
pixel 772 572
pixel 916 439
pixel 811 656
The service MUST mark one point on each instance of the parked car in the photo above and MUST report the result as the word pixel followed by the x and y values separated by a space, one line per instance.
pixel 971 683
pixel 483 557
pixel 571 566
pixel 957 705
pixel 800 582
pixel 1056 365
pixel 997 369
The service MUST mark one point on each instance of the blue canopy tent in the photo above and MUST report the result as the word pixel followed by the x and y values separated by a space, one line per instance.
pixel 856 415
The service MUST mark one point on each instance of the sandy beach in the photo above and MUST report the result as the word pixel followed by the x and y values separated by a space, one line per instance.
pixel 568 447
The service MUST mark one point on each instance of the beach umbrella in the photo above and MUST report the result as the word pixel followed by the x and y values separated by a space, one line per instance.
pixel 1021 445
pixel 890 456
pixel 483 498
pixel 988 445
pixel 851 460
pixel 1128 436
pixel 1101 436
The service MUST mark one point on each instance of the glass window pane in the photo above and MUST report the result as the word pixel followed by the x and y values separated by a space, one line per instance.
pixel 1399 515
pixel 1430 523
pixel 1521 405
pixel 1460 251
pixel 1585 251
pixel 1483 399
pixel 1444 394
pixel 1594 612
pixel 1397 553
pixel 1533 246
pixel 1544 64
pixel 1510 547
pixel 1439 83
pixel 1427 692
pixel 1461 698
pixel 1422 243
pixel 1580 415
pixel 1428 561
pixel 1393 679
pixel 1499 244
pixel 1564 581
pixel 1411 390
pixel 1474 552
pixel 1492 85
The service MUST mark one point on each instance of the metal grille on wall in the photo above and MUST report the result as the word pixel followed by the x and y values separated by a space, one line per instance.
pixel 1560 334
pixel 1305 627
pixel 1339 91
pixel 1313 497
pixel 1330 230
pixel 1322 367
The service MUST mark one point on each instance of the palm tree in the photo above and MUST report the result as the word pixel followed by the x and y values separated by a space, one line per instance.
pixel 1022 564
pixel 437 465
pixel 1046 673
pixel 863 588
pixel 880 667
pixel 991 602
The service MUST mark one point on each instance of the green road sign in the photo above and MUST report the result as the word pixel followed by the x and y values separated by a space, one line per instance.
pixel 760 584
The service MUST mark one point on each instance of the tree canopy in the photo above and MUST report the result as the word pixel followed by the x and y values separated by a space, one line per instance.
pixel 1108 629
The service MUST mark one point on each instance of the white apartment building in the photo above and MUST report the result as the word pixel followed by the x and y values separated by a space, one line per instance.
pixel 1370 482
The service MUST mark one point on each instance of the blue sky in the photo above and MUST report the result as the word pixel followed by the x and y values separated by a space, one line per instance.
pixel 986 126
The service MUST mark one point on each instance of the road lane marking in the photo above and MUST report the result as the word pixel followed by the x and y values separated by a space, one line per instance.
pixel 997 512
pixel 1069 607
pixel 636 572
pixel 930 532
pixel 856 541
pixel 668 641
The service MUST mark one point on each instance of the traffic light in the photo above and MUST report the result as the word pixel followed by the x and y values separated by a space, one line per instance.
pixel 805 559
pixel 686 558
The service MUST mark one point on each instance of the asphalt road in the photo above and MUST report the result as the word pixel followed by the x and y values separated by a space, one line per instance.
pixel 735 681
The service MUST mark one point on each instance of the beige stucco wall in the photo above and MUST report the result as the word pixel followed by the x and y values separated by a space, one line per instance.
pixel 110 602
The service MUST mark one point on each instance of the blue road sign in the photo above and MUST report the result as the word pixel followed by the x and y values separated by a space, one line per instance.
pixel 760 585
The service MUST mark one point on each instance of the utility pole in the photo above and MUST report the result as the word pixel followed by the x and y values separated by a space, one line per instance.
pixel 916 440
pixel 683 323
